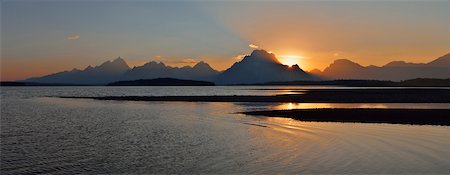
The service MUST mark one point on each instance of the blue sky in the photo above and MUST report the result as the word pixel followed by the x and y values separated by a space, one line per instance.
pixel 48 36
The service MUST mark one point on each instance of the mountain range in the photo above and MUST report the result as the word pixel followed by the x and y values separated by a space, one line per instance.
pixel 105 73
pixel 200 71
pixel 394 71
pixel 258 67
pixel 118 70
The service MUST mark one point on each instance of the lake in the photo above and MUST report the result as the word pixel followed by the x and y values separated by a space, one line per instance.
pixel 44 134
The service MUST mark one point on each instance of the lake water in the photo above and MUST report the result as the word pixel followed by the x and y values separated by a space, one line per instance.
pixel 43 134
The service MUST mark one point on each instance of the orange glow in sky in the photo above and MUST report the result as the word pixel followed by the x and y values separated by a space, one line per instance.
pixel 40 38
pixel 290 59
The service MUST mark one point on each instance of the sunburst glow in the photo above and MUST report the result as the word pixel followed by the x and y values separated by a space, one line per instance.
pixel 290 59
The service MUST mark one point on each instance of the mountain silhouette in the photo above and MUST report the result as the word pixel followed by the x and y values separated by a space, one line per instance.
pixel 107 72
pixel 394 71
pixel 118 70
pixel 116 66
pixel 259 67
pixel 151 70
pixel 443 61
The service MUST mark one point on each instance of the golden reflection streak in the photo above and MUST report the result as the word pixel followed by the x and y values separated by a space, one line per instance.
pixel 289 106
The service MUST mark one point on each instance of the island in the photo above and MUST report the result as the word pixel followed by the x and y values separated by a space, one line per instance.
pixel 161 82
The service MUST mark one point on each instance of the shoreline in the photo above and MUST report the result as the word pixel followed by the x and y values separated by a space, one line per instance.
pixel 355 115
pixel 309 96
pixel 363 115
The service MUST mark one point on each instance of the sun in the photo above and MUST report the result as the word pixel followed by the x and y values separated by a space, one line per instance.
pixel 290 60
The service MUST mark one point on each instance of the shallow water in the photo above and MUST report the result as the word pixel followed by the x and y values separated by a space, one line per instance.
pixel 53 135
pixel 287 106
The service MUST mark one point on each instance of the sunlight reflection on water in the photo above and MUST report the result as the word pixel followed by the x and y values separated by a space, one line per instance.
pixel 288 106
pixel 69 136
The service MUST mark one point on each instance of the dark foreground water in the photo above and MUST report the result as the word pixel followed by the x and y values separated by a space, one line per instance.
pixel 42 134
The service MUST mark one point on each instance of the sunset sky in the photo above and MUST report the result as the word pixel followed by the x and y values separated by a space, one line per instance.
pixel 42 37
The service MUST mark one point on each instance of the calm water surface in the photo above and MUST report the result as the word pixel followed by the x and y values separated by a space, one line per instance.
pixel 41 134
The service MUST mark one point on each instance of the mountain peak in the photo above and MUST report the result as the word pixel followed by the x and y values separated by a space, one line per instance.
pixel 315 71
pixel 118 59
pixel 342 66
pixel 343 61
pixel 154 63
pixel 117 65
pixel 202 64
pixel 396 63
pixel 443 61
pixel 295 66
pixel 259 52
pixel 260 67
pixel 263 55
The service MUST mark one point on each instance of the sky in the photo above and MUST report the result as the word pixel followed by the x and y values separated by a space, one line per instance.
pixel 42 37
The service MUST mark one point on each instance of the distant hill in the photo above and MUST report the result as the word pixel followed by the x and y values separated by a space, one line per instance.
pixel 431 82
pixel 162 82
pixel 12 83
pixel 418 82
pixel 395 71
pixel 15 83
pixel 260 67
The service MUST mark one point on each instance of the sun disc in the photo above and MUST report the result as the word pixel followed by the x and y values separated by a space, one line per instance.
pixel 290 60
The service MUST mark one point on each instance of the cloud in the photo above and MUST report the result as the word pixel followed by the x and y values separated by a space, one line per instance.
pixel 238 57
pixel 336 54
pixel 158 58
pixel 73 37
pixel 188 61
pixel 253 46
pixel 174 62
pixel 183 61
